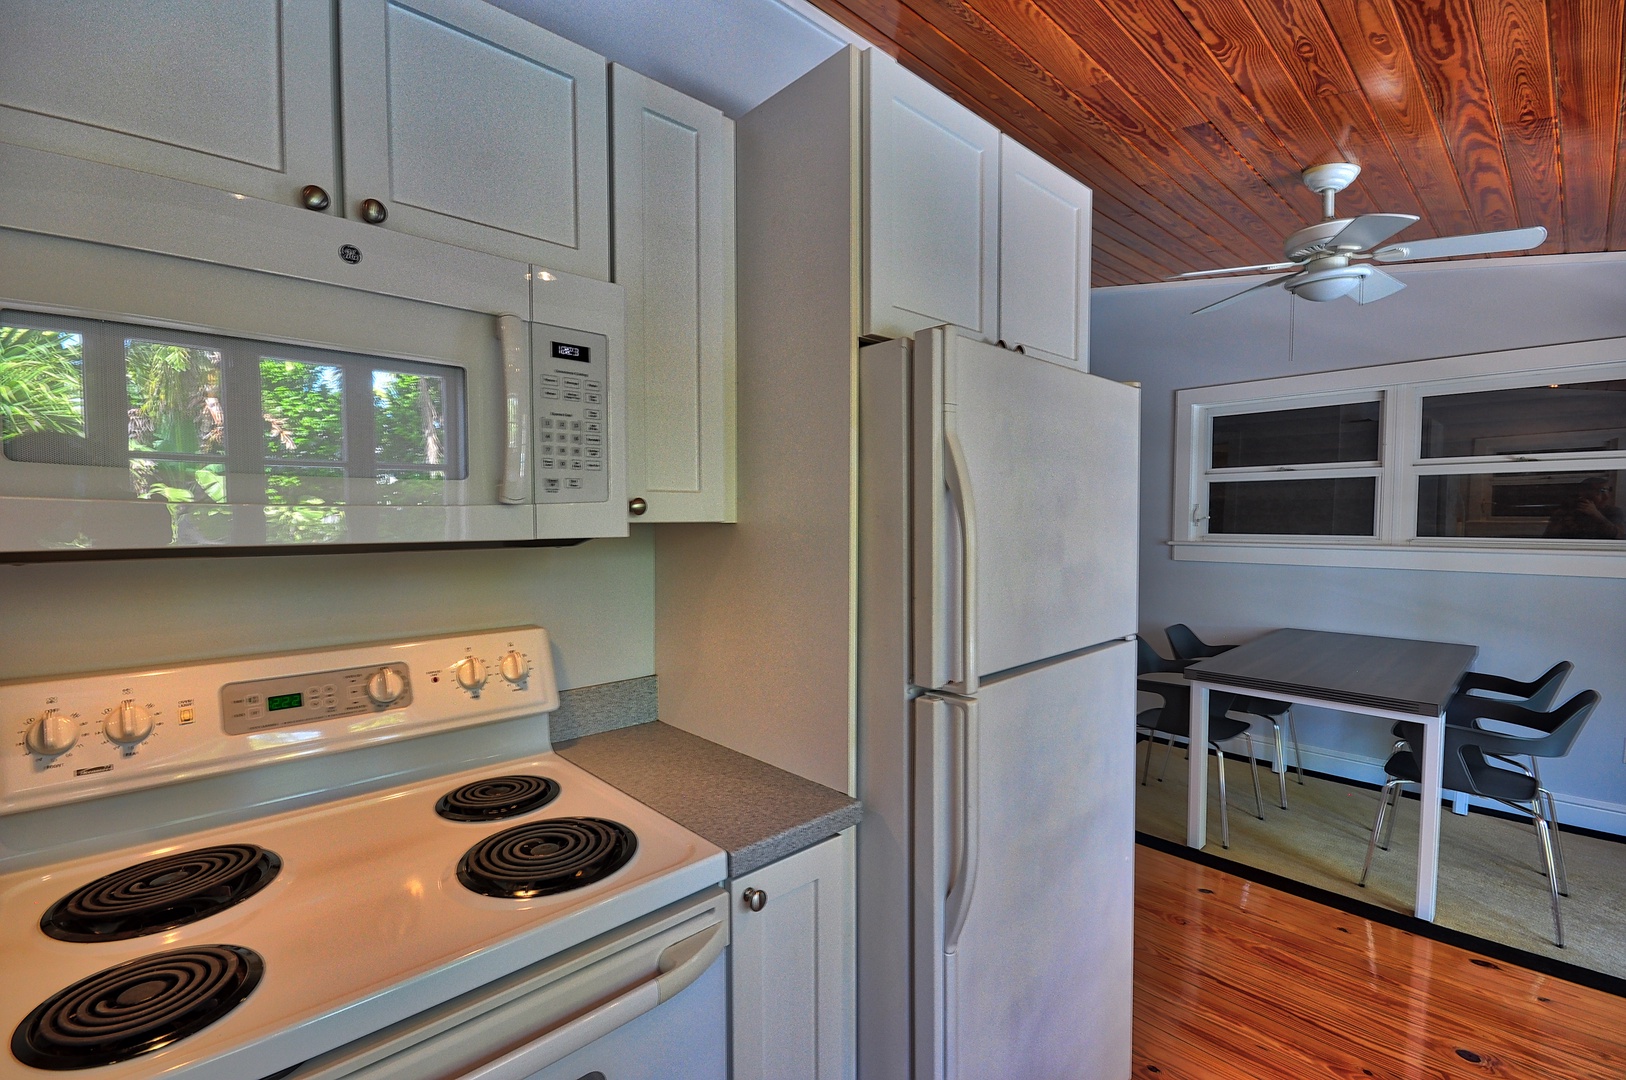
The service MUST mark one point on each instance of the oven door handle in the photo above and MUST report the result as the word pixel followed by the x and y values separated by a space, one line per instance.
pixel 516 473
pixel 681 963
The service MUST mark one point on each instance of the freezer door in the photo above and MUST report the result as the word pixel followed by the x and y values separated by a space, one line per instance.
pixel 1025 865
pixel 1046 458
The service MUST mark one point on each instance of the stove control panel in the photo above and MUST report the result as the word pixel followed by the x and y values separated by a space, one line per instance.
pixel 83 736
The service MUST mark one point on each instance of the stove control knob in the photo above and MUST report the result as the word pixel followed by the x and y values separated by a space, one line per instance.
pixel 128 724
pixel 515 668
pixel 385 686
pixel 471 673
pixel 52 734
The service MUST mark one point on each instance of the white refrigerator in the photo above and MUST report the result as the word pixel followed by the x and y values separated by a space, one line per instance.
pixel 998 501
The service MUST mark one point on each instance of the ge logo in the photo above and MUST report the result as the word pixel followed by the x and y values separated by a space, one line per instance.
pixel 350 254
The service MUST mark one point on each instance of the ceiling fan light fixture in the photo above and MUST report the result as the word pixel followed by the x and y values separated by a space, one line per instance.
pixel 1323 285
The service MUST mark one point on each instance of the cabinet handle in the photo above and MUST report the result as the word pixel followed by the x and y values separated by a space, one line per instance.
pixel 755 899
pixel 373 212
pixel 312 197
pixel 637 506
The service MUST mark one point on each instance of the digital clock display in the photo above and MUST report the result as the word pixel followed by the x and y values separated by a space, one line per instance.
pixel 284 701
pixel 565 351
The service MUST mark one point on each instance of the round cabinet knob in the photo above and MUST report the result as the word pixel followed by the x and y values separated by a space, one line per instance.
pixel 385 686
pixel 312 197
pixel 471 673
pixel 128 724
pixel 515 667
pixel 755 899
pixel 373 212
pixel 637 506
pixel 52 734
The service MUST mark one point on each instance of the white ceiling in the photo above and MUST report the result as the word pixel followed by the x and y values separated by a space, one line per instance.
pixel 733 54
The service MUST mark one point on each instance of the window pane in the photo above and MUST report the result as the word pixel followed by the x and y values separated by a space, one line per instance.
pixel 174 393
pixel 1344 506
pixel 409 418
pixel 303 405
pixel 42 395
pixel 1526 420
pixel 1326 433
pixel 1564 505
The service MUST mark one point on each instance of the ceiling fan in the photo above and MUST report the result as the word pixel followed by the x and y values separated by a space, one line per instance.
pixel 1325 257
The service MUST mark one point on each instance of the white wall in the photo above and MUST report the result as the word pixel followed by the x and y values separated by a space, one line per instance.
pixel 596 601
pixel 1522 624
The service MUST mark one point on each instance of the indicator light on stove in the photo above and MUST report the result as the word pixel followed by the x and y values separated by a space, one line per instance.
pixel 385 685
pixel 471 673
pixel 128 724
pixel 52 734
pixel 515 668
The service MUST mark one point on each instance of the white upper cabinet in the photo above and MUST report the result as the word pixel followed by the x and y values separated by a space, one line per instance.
pixel 1044 257
pixel 468 125
pixel 931 208
pixel 235 96
pixel 674 255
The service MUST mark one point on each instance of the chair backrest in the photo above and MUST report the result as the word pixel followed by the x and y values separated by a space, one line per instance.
pixel 1147 659
pixel 1548 685
pixel 1538 694
pixel 1465 747
pixel 1188 646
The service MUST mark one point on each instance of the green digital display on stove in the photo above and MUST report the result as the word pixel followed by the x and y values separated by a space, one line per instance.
pixel 284 701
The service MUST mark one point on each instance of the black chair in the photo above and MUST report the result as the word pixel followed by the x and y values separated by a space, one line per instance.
pixel 1173 720
pixel 1467 767
pixel 1188 646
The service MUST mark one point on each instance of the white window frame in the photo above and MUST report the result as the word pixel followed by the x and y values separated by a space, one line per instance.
pixel 1401 388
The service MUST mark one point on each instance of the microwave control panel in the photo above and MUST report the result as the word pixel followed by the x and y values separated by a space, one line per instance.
pixel 571 419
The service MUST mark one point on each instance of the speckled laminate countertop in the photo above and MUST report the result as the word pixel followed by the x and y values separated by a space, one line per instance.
pixel 750 809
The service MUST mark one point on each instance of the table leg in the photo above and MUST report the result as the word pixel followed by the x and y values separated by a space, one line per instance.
pixel 1428 845
pixel 1197 787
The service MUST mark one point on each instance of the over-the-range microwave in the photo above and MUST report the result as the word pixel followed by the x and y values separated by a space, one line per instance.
pixel 155 402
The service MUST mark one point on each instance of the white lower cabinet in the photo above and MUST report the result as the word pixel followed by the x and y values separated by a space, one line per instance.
pixel 791 967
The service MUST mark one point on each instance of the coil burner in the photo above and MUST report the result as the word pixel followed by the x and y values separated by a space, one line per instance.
pixel 161 894
pixel 546 857
pixel 497 797
pixel 136 1008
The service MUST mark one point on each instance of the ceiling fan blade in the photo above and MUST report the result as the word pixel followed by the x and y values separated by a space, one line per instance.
pixel 1377 285
pixel 1233 270
pixel 1369 230
pixel 1237 296
pixel 1444 247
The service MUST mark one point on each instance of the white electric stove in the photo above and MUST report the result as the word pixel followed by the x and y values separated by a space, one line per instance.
pixel 292 866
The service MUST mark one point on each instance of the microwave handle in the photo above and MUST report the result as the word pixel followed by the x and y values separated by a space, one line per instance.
pixel 516 474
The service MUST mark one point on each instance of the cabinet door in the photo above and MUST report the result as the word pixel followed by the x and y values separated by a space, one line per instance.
pixel 931 208
pixel 237 97
pixel 791 967
pixel 474 127
pixel 674 255
pixel 1044 257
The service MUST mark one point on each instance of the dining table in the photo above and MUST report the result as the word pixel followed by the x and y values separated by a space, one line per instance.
pixel 1382 677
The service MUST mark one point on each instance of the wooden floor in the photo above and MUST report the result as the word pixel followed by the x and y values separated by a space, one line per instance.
pixel 1236 981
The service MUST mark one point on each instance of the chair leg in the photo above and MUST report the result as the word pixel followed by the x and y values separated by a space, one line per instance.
pixel 1545 834
pixel 1552 819
pixel 1377 827
pixel 1151 744
pixel 1281 764
pixel 1225 819
pixel 1253 762
pixel 1394 813
pixel 1298 755
pixel 1166 756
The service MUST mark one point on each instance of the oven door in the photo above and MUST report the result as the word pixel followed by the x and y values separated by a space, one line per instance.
pixel 150 402
pixel 647 1001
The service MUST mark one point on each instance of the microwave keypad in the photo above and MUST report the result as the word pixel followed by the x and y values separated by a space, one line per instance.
pixel 571 428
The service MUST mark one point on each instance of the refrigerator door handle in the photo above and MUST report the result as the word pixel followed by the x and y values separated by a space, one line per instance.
pixel 958 903
pixel 958 480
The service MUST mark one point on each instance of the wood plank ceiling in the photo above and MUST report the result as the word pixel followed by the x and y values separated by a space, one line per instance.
pixel 1192 119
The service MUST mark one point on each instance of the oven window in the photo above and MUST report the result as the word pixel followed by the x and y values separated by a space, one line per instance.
pixel 42 392
pixel 200 419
